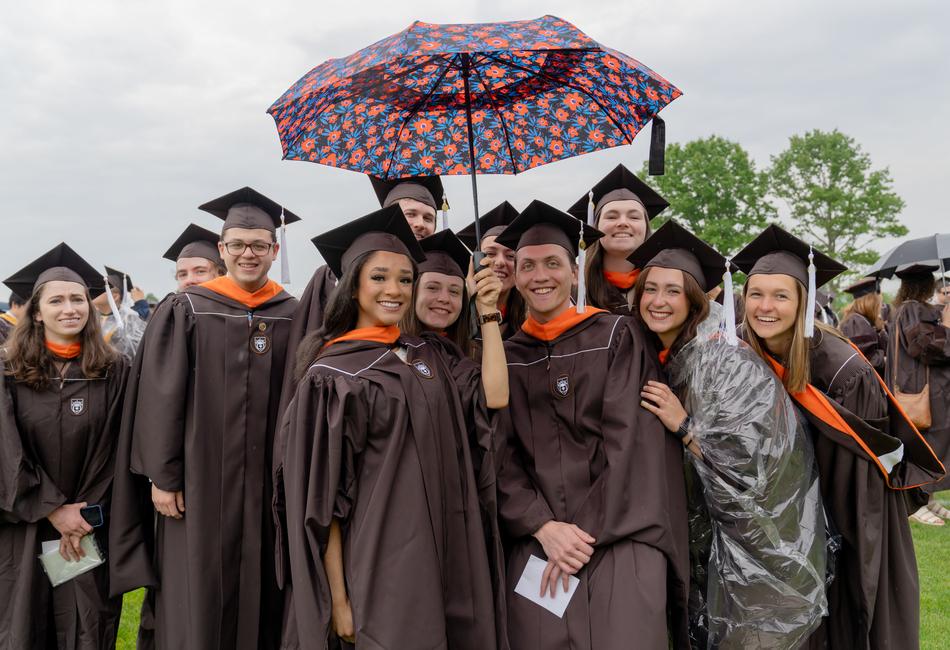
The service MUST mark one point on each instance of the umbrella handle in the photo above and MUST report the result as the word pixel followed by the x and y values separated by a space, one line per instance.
pixel 477 258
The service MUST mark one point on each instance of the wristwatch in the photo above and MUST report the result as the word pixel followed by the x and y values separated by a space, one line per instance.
pixel 683 431
pixel 494 317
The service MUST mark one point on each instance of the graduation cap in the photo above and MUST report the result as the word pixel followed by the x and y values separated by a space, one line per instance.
pixel 619 185
pixel 492 223
pixel 425 189
pixel 915 270
pixel 59 263
pixel 539 224
pixel 445 253
pixel 195 241
pixel 383 230
pixel 115 278
pixel 674 247
pixel 776 251
pixel 248 208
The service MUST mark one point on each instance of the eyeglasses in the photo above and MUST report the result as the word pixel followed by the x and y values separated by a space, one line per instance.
pixel 237 248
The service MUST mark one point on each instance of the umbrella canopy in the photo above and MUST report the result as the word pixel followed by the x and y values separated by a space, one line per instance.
pixel 536 91
pixel 933 249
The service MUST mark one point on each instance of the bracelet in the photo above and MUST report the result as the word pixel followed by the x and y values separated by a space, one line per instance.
pixel 494 317
pixel 683 430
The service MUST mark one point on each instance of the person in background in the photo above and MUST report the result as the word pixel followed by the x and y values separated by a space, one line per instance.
pixel 196 445
pixel 867 450
pixel 919 361
pixel 123 327
pixel 60 410
pixel 491 224
pixel 622 206
pixel 942 293
pixel 9 318
pixel 196 257
pixel 589 483
pixel 825 308
pixel 862 322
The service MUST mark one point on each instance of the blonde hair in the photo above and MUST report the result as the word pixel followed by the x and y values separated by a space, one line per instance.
pixel 869 306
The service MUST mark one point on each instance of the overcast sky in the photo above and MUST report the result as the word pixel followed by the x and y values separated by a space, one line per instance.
pixel 119 118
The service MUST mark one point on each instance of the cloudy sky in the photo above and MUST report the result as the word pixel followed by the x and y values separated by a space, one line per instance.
pixel 119 117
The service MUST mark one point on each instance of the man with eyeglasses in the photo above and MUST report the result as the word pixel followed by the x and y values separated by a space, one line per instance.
pixel 196 257
pixel 200 414
pixel 942 294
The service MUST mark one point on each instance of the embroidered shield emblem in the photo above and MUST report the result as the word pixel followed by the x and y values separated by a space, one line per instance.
pixel 422 369
pixel 260 344
pixel 77 405
pixel 562 386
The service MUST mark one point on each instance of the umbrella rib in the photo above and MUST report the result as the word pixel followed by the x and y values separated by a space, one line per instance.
pixel 569 85
pixel 422 100
pixel 501 117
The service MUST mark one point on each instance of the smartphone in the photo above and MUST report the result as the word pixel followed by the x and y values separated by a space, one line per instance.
pixel 93 515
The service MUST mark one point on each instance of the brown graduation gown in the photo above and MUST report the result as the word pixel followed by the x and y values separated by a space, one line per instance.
pixel 200 417
pixel 924 357
pixel 873 601
pixel 580 449
pixel 871 342
pixel 380 444
pixel 57 446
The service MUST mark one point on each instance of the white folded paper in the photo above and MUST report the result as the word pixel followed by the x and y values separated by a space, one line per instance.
pixel 529 586
pixel 59 569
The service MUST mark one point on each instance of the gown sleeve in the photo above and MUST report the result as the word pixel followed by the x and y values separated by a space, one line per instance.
pixel 324 431
pixel 27 494
pixel 925 338
pixel 871 342
pixel 159 409
pixel 521 506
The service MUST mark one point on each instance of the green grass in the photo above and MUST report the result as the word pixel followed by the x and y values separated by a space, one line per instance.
pixel 933 560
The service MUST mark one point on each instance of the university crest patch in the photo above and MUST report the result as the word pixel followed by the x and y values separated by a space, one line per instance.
pixel 562 386
pixel 77 405
pixel 423 369
pixel 260 343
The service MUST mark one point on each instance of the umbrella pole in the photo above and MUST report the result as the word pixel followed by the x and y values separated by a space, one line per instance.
pixel 478 255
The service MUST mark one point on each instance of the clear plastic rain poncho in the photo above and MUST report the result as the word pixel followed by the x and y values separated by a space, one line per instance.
pixel 123 328
pixel 757 524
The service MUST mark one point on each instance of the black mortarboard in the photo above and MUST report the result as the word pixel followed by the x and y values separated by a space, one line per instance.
pixel 383 230
pixel 864 287
pixel 445 253
pixel 195 241
pixel 115 278
pixel 59 263
pixel 425 189
pixel 619 185
pixel 248 208
pixel 776 251
pixel 541 223
pixel 492 224
pixel 674 247
pixel 915 270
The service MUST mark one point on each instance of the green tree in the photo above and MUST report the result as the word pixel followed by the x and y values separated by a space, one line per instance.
pixel 715 191
pixel 835 199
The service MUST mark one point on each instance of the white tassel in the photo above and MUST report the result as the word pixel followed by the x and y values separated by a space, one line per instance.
pixel 581 279
pixel 812 297
pixel 445 213
pixel 127 302
pixel 728 308
pixel 284 261
pixel 590 208
pixel 115 309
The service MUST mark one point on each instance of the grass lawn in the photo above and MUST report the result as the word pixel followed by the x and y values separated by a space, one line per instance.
pixel 933 560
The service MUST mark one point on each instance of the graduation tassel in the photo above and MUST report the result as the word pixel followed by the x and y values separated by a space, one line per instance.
pixel 810 306
pixel 590 208
pixel 445 213
pixel 728 307
pixel 126 296
pixel 581 279
pixel 112 305
pixel 284 261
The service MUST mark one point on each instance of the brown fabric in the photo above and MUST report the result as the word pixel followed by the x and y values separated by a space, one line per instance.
pixel 382 446
pixel 871 342
pixel 373 241
pixel 200 415
pixel 544 233
pixel 439 262
pixel 784 263
pixel 60 273
pixel 621 194
pixel 493 232
pixel 577 449
pixel 248 215
pixel 685 261
pixel 874 599
pixel 50 456
pixel 410 191
pixel 921 354
pixel 201 249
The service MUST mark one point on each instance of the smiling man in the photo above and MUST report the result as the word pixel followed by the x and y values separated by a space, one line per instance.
pixel 199 426
pixel 589 481
pixel 196 257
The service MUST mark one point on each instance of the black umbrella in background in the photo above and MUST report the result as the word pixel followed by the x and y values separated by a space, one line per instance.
pixel 933 249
